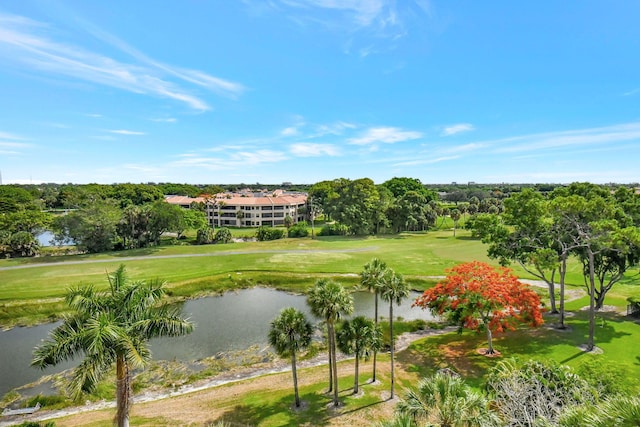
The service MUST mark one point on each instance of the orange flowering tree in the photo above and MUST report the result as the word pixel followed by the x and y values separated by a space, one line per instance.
pixel 479 297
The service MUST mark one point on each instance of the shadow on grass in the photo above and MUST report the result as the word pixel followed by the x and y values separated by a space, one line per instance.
pixel 313 412
pixel 136 252
pixel 459 351
pixel 317 409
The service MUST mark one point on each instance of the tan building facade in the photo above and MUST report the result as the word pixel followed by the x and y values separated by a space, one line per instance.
pixel 248 209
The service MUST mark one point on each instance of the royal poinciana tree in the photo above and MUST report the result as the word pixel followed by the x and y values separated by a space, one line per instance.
pixel 479 297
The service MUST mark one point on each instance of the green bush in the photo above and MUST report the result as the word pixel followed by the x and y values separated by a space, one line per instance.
pixel 298 230
pixel 334 230
pixel 266 233
pixel 205 236
pixel 223 235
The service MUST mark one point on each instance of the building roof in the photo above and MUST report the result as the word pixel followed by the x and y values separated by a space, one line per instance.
pixel 246 199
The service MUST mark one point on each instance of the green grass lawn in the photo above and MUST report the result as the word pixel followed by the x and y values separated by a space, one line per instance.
pixel 27 295
pixel 295 264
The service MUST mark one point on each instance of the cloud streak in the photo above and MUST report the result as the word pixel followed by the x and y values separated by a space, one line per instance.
pixel 127 132
pixel 308 149
pixel 570 138
pixel 22 41
pixel 387 135
pixel 457 128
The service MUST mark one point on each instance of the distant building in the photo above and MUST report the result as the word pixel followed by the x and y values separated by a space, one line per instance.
pixel 248 208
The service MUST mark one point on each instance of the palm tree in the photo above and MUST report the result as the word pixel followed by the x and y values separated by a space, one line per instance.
pixel 370 279
pixel 393 289
pixel 445 400
pixel 108 327
pixel 398 421
pixel 330 301
pixel 455 216
pixel 360 337
pixel 290 333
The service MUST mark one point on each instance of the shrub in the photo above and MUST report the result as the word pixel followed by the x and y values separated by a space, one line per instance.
pixel 298 230
pixel 205 236
pixel 268 233
pixel 334 230
pixel 223 235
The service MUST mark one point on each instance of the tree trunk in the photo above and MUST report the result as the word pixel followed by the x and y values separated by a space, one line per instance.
pixel 563 273
pixel 295 378
pixel 552 297
pixel 592 303
pixel 355 381
pixel 599 299
pixel 330 344
pixel 490 349
pixel 123 392
pixel 375 352
pixel 392 361
pixel 336 402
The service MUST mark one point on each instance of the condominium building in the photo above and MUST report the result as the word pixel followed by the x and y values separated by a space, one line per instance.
pixel 248 208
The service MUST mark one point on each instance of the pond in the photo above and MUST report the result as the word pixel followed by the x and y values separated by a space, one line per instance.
pixel 233 321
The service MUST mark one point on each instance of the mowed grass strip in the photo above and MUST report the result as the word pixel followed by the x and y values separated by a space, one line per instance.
pixel 287 264
pixel 407 254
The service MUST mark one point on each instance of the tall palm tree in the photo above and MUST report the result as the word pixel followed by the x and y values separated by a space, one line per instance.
pixel 370 279
pixel 108 327
pixel 393 289
pixel 330 301
pixel 360 337
pixel 290 333
pixel 445 400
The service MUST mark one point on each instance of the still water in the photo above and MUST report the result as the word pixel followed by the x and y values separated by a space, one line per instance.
pixel 233 321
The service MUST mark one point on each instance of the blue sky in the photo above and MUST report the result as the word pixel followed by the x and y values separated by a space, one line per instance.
pixel 306 90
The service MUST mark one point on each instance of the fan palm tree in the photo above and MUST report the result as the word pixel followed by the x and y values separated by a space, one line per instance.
pixel 290 333
pixel 329 300
pixel 393 289
pixel 370 279
pixel 360 337
pixel 445 400
pixel 111 327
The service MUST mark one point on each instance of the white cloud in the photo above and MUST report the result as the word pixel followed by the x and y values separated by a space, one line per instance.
pixel 632 92
pixel 257 157
pixel 6 135
pixel 578 137
pixel 290 131
pixel 426 161
pixel 387 135
pixel 127 132
pixel 165 120
pixel 308 149
pixel 363 12
pixel 12 144
pixel 465 148
pixel 336 128
pixel 457 128
pixel 369 26
pixel 21 42
pixel 95 116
